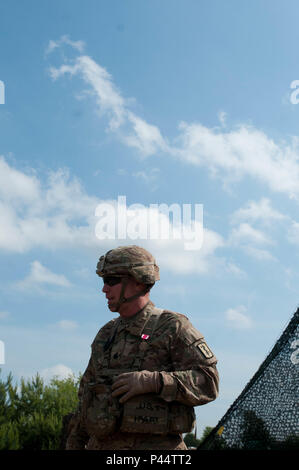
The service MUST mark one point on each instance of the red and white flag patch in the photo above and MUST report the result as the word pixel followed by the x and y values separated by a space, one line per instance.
pixel 145 336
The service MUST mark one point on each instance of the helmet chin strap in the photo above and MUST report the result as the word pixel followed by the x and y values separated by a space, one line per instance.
pixel 122 298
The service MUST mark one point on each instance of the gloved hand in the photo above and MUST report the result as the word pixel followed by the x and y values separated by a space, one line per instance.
pixel 136 383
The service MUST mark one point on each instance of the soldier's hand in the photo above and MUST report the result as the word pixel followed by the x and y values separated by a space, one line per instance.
pixel 130 384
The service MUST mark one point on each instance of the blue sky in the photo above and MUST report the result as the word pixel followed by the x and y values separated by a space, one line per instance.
pixel 161 102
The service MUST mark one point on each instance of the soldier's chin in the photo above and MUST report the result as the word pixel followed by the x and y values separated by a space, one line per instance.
pixel 112 306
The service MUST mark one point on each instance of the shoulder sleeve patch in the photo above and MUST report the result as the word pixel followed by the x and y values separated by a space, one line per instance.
pixel 205 350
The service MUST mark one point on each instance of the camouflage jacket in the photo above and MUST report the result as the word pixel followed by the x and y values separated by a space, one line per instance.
pixel 177 350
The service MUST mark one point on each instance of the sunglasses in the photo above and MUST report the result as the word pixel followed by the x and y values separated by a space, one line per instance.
pixel 111 280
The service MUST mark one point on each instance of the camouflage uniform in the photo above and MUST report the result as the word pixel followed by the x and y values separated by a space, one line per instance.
pixel 176 349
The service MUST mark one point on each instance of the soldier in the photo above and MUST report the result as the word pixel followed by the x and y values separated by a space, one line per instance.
pixel 148 368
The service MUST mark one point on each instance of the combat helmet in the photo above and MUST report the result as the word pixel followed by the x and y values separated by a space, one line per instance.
pixel 131 260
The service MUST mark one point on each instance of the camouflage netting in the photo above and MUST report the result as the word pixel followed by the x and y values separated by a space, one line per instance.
pixel 266 414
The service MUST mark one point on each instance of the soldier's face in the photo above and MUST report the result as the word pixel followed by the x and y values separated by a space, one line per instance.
pixel 113 291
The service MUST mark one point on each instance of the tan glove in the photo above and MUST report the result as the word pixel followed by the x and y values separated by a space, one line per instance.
pixel 136 383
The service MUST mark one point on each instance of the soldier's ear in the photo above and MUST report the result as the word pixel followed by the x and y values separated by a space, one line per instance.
pixel 140 286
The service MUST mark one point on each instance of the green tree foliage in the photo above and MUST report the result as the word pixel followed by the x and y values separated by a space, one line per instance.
pixel 206 432
pixel 31 414
pixel 255 434
pixel 191 441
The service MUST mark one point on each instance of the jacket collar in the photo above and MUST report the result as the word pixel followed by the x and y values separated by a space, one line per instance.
pixel 135 324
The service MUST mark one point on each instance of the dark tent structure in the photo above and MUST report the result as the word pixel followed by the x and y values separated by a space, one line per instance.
pixel 266 413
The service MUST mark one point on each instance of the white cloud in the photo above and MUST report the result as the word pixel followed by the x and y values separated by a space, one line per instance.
pixel 139 134
pixel 65 40
pixel 39 274
pixel 236 270
pixel 16 186
pixel 261 210
pixel 166 238
pixel 258 211
pixel 237 319
pixel 67 325
pixel 108 98
pixel 231 154
pixel 55 213
pixel 262 213
pixel 203 261
pixel 243 151
pixel 59 214
pixel 222 115
pixel 259 253
pixel 60 371
pixel 145 137
pixel 245 232
pixel 251 241
pixel 149 177
pixel 293 233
